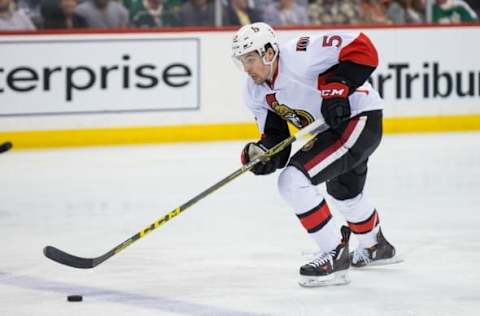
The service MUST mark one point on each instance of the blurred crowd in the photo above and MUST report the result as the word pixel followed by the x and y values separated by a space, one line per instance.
pixel 68 14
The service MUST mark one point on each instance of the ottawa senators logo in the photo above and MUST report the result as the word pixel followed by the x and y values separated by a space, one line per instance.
pixel 298 118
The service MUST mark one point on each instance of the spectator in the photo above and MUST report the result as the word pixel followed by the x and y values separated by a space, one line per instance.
pixel 334 12
pixel 198 13
pixel 475 5
pixel 239 13
pixel 452 11
pixel 395 11
pixel 32 9
pixel 135 6
pixel 155 13
pixel 285 12
pixel 13 19
pixel 373 12
pixel 261 5
pixel 60 14
pixel 103 13
pixel 414 11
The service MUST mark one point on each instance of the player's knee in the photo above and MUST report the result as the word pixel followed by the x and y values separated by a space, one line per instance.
pixel 349 185
pixel 343 192
pixel 346 204
pixel 290 181
pixel 355 209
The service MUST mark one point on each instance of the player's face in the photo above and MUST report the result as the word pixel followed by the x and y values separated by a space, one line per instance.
pixel 254 67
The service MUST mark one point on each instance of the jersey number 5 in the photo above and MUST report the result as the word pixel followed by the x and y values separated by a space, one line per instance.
pixel 334 40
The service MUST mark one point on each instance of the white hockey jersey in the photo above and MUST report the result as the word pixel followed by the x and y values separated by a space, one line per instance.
pixel 304 63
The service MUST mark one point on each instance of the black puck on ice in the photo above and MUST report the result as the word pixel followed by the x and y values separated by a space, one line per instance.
pixel 5 147
pixel 74 298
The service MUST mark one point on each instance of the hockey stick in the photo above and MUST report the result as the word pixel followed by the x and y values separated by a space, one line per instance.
pixel 6 146
pixel 62 257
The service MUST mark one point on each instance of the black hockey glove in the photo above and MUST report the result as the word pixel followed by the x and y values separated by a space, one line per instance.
pixel 335 104
pixel 252 150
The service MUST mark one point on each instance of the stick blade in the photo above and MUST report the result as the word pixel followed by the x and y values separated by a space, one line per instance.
pixel 67 259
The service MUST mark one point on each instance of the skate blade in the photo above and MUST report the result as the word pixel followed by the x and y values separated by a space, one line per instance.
pixel 383 262
pixel 337 278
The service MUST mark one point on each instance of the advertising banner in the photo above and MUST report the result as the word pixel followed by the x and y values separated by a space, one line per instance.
pixel 95 75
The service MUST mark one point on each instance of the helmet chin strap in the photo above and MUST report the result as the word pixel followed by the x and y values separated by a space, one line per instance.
pixel 270 63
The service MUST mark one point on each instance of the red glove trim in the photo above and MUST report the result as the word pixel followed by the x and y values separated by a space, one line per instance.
pixel 334 90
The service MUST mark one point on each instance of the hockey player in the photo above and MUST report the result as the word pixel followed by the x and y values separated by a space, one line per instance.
pixel 303 79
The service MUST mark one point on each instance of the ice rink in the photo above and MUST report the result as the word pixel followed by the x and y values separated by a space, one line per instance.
pixel 238 251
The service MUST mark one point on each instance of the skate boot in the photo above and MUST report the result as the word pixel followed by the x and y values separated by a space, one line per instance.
pixel 380 254
pixel 328 268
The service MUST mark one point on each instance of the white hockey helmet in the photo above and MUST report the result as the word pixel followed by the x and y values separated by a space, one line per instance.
pixel 254 37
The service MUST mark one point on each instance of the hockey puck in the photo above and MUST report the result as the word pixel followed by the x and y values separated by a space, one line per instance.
pixel 5 147
pixel 74 298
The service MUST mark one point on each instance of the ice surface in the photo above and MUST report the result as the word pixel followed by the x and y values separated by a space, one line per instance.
pixel 238 251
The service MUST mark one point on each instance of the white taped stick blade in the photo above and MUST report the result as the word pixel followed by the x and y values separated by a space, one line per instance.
pixel 336 278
